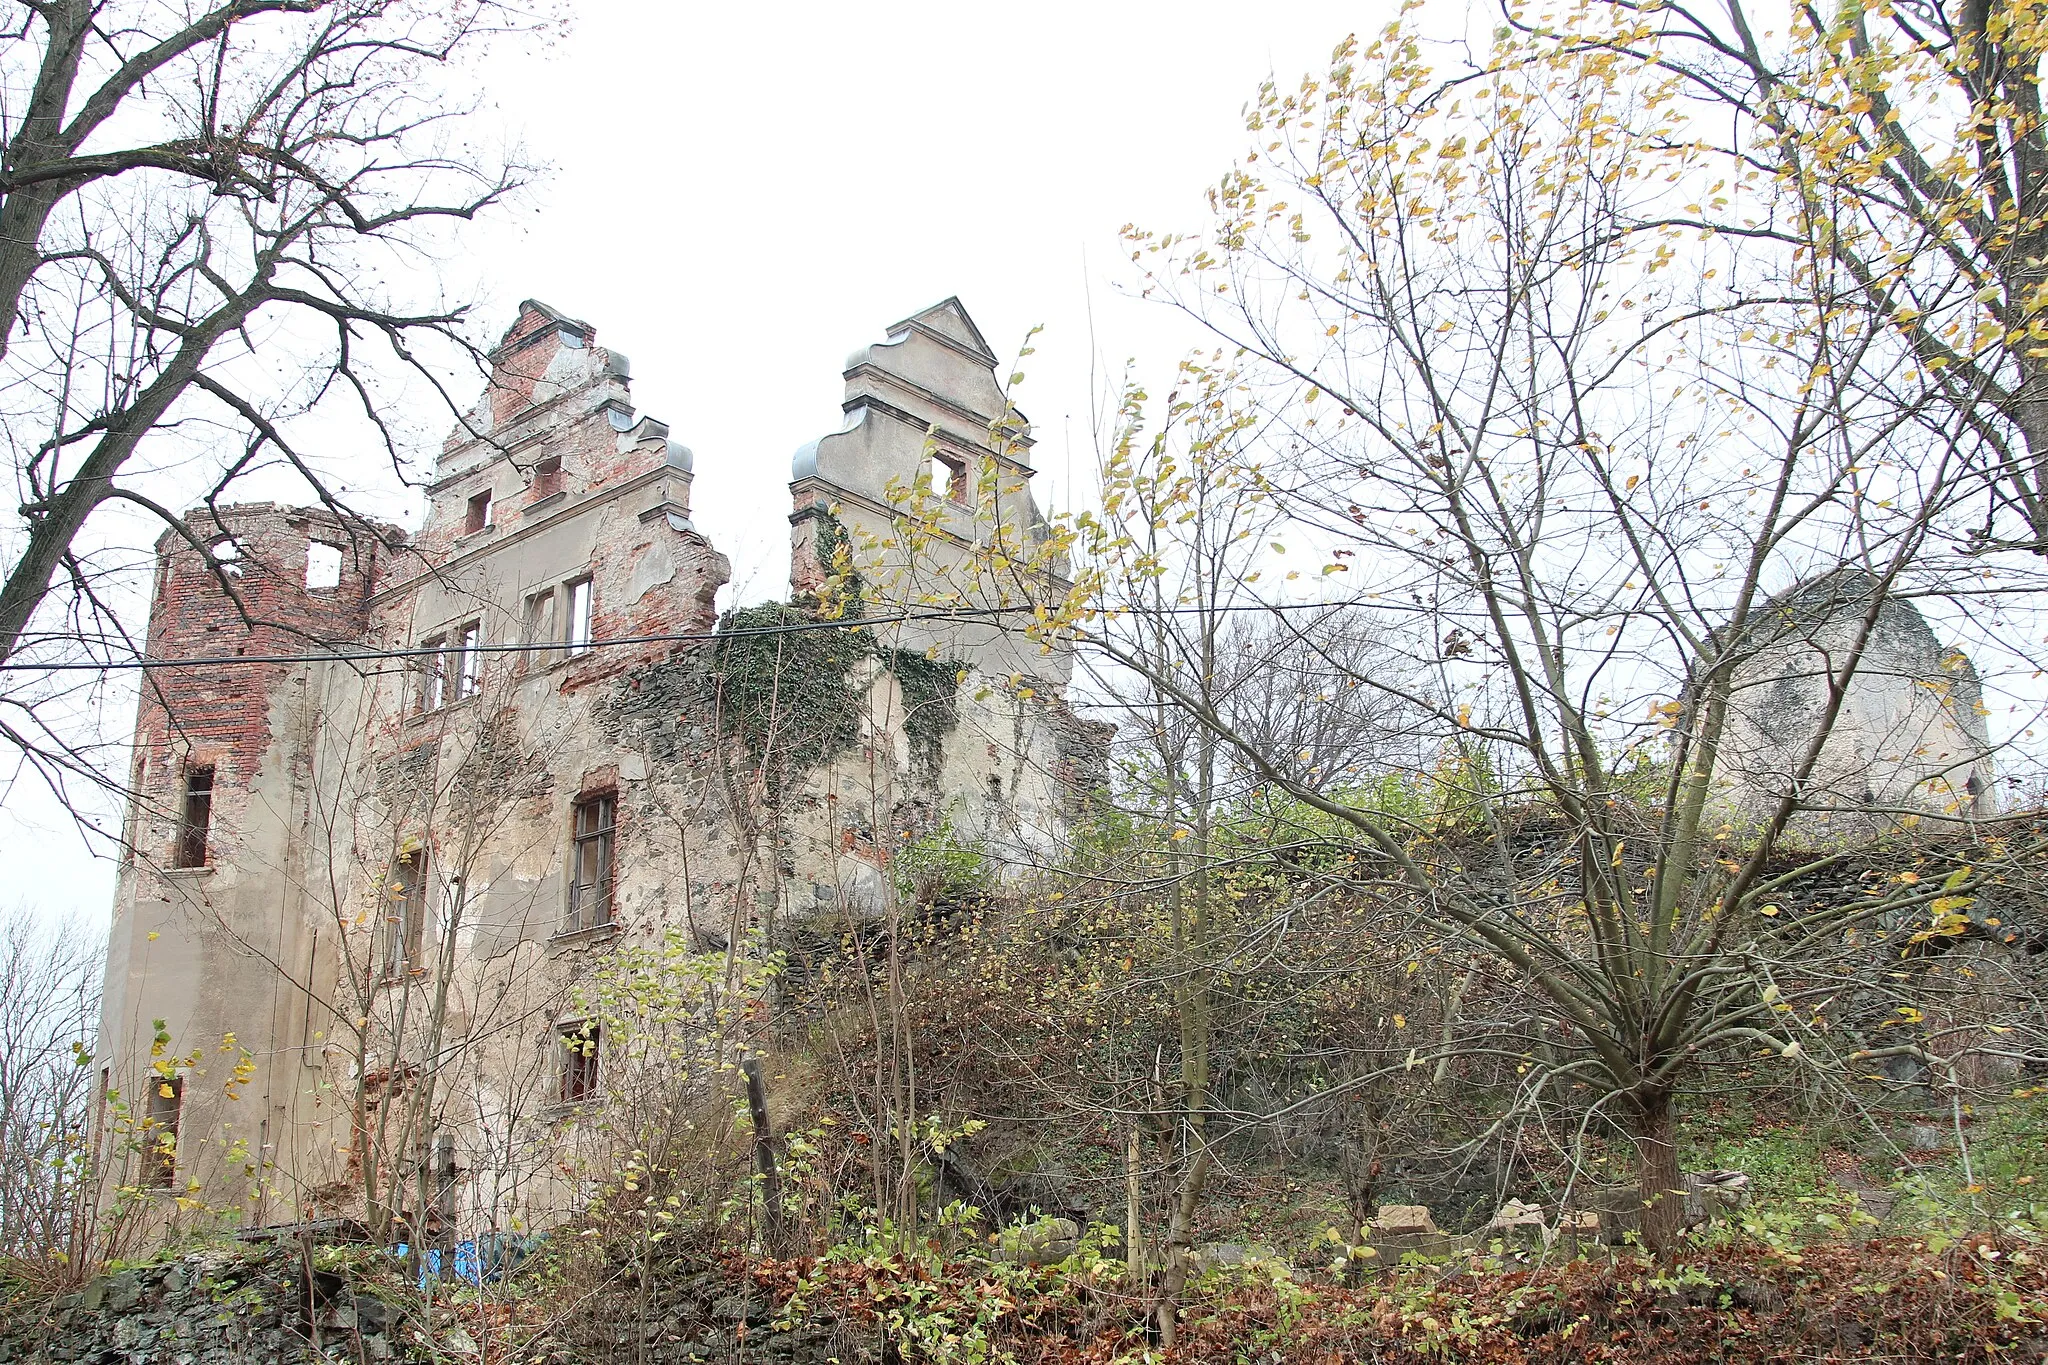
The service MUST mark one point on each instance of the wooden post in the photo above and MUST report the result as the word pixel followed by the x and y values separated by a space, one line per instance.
pixel 764 1153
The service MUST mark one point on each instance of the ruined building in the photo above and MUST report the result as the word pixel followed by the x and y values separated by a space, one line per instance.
pixel 1908 737
pixel 372 896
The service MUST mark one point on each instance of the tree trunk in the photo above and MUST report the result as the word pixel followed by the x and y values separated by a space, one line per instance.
pixel 1654 1133
pixel 1180 1249
pixel 1134 1232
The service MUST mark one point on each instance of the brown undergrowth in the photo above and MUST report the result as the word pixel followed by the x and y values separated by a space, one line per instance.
pixel 1896 1299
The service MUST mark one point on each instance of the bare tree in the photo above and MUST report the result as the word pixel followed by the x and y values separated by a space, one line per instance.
pixel 188 196
pixel 1933 205
pixel 1291 687
pixel 49 1008
pixel 1592 490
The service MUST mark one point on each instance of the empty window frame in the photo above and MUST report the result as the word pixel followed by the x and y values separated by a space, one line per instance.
pixel 547 476
pixel 592 829
pixel 405 914
pixel 433 674
pixel 579 1062
pixel 478 514
pixel 467 666
pixel 227 556
pixel 160 1131
pixel 539 628
pixel 949 476
pixel 195 817
pixel 578 637
pixel 323 566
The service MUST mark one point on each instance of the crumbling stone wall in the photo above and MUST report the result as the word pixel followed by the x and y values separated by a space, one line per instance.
pixel 223 1306
pixel 1910 735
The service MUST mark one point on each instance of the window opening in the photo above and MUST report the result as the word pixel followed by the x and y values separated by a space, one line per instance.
pixel 590 862
pixel 195 817
pixel 949 476
pixel 579 1062
pixel 479 513
pixel 405 916
pixel 227 556
pixel 540 626
pixel 547 476
pixel 433 674
pixel 579 616
pixel 323 565
pixel 469 660
pixel 166 1105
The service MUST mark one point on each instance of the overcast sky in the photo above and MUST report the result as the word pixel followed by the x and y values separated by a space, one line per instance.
pixel 743 194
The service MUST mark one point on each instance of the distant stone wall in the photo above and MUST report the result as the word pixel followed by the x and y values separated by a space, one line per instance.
pixel 1908 738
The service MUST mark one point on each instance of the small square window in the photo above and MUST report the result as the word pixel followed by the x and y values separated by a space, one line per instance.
pixel 323 566
pixel 547 476
pixel 579 1062
pixel 949 476
pixel 227 557
pixel 479 514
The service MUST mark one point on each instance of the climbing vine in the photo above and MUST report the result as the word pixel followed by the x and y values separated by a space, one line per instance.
pixel 794 696
pixel 790 691
pixel 931 701
pixel 842 594
pixel 785 691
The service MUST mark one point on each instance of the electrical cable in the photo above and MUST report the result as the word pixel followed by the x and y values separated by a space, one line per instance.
pixel 556 646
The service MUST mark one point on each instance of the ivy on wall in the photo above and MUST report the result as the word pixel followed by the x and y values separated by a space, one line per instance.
pixel 786 689
pixel 931 702
pixel 793 693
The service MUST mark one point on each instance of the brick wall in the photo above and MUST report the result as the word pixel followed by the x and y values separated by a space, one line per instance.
pixel 217 713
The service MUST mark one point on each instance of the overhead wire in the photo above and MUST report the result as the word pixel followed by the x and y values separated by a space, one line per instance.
pixel 343 655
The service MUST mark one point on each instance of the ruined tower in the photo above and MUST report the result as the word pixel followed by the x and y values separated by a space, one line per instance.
pixel 209 935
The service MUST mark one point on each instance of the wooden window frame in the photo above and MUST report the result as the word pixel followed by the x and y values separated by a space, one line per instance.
pixel 467 660
pixel 405 929
pixel 579 627
pixel 581 1044
pixel 593 902
pixel 539 625
pixel 432 666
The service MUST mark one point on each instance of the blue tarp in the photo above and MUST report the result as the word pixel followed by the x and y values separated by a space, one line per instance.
pixel 478 1261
